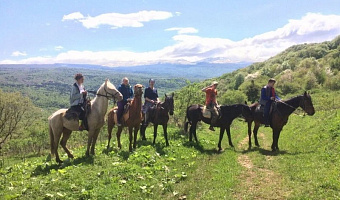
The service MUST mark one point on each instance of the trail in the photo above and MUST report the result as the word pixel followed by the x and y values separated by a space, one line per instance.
pixel 258 181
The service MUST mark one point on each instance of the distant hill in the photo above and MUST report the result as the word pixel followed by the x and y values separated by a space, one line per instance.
pixel 48 85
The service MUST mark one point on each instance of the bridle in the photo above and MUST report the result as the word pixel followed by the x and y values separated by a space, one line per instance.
pixel 108 94
pixel 303 106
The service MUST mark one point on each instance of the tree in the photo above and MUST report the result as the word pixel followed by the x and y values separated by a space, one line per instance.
pixel 238 81
pixel 252 92
pixel 15 114
pixel 232 97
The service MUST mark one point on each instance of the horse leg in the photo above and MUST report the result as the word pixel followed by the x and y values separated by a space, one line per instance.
pixel 154 133
pixel 229 135
pixel 249 134
pixel 222 129
pixel 142 131
pixel 94 140
pixel 66 136
pixel 136 129
pixel 165 127
pixel 190 133
pixel 89 142
pixel 130 138
pixel 275 138
pixel 57 135
pixel 194 132
pixel 119 132
pixel 256 128
pixel 277 142
pixel 109 131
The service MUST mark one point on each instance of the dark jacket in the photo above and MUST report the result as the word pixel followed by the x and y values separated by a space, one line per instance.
pixel 266 94
pixel 126 91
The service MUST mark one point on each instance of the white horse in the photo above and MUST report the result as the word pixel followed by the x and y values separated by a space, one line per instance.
pixel 59 125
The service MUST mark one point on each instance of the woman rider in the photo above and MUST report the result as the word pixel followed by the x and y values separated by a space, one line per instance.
pixel 126 90
pixel 78 98
pixel 151 98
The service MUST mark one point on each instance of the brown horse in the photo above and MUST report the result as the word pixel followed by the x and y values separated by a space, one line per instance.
pixel 159 115
pixel 60 126
pixel 279 116
pixel 131 119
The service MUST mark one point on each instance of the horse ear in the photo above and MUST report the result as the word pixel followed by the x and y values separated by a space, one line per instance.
pixel 107 80
pixel 173 94
pixel 305 94
pixel 245 102
pixel 166 96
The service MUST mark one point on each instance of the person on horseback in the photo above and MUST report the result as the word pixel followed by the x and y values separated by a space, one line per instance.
pixel 211 102
pixel 151 98
pixel 78 98
pixel 126 90
pixel 268 96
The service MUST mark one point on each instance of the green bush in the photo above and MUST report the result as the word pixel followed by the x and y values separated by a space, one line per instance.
pixel 232 97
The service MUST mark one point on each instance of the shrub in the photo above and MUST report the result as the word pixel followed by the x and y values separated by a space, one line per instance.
pixel 232 97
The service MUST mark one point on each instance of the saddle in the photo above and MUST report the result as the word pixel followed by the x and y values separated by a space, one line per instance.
pixel 206 112
pixel 73 114
pixel 126 114
pixel 260 108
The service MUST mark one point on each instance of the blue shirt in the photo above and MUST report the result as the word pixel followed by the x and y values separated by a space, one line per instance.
pixel 126 91
pixel 151 93
pixel 265 97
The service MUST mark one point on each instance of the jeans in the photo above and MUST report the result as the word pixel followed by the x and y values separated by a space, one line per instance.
pixel 266 112
pixel 120 110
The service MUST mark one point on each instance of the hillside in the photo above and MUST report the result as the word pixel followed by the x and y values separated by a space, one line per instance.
pixel 306 167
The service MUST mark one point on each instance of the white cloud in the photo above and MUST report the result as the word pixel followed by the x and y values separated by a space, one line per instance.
pixel 58 48
pixel 190 49
pixel 73 16
pixel 183 30
pixel 118 20
pixel 19 53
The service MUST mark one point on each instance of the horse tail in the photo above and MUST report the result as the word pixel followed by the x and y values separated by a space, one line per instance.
pixel 51 138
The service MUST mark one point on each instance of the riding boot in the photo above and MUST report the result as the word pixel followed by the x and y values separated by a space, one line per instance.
pixel 146 120
pixel 213 123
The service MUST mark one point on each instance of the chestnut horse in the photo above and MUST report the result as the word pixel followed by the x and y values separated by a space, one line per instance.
pixel 159 115
pixel 279 116
pixel 229 113
pixel 60 126
pixel 133 121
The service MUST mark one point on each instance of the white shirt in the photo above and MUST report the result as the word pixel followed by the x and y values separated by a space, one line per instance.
pixel 81 90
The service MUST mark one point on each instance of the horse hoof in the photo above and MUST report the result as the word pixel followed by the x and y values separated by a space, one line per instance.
pixel 144 139
pixel 257 145
pixel 231 145
pixel 220 150
pixel 71 156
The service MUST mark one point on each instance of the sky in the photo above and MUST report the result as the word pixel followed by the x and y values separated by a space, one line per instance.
pixel 132 33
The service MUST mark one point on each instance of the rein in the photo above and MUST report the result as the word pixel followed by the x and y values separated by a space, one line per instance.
pixel 106 95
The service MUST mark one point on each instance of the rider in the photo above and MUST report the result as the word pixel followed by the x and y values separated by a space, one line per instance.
pixel 126 90
pixel 211 103
pixel 268 96
pixel 78 98
pixel 151 98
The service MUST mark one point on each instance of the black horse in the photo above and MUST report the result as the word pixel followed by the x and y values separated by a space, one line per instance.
pixel 279 116
pixel 228 112
pixel 159 115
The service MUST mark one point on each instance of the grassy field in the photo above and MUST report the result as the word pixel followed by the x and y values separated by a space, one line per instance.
pixel 307 167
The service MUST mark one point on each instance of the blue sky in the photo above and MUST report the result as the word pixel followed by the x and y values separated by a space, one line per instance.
pixel 129 33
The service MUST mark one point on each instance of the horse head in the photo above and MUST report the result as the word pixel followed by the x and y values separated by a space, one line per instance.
pixel 306 104
pixel 169 103
pixel 108 90
pixel 138 89
pixel 246 111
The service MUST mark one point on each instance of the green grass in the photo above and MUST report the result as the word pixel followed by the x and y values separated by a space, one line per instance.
pixel 307 166
pixel 150 172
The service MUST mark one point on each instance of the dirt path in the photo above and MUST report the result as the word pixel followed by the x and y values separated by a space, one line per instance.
pixel 258 181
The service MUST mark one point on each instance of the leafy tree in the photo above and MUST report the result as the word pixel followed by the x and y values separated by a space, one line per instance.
pixel 232 97
pixel 252 92
pixel 15 114
pixel 311 81
pixel 238 81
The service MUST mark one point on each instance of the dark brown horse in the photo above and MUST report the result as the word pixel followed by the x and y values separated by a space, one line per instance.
pixel 132 119
pixel 279 116
pixel 229 113
pixel 159 115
